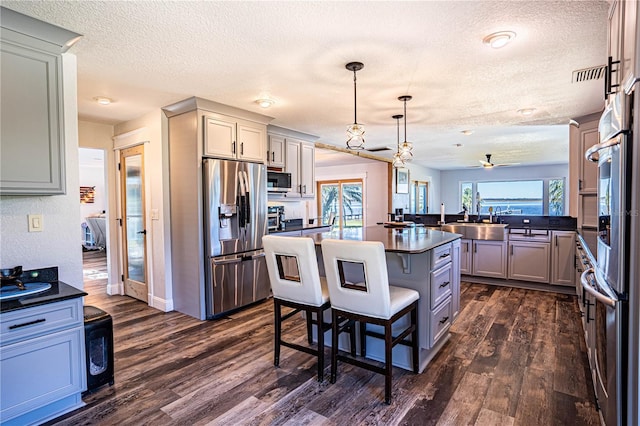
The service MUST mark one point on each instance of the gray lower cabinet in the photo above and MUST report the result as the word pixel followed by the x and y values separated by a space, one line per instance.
pixel 42 362
pixel 563 258
pixel 466 250
pixel 529 261
pixel 489 258
pixel 32 149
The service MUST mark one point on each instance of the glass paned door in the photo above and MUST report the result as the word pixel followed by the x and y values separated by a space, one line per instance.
pixel 419 197
pixel 133 222
pixel 342 200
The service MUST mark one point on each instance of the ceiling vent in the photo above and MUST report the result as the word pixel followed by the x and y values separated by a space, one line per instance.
pixel 587 74
pixel 379 149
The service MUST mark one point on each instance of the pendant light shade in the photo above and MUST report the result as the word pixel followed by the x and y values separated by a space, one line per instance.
pixel 406 149
pixel 398 162
pixel 355 132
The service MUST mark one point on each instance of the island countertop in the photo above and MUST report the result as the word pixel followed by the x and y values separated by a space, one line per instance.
pixel 406 240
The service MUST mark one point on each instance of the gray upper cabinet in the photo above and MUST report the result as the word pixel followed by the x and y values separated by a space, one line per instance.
pixel 31 127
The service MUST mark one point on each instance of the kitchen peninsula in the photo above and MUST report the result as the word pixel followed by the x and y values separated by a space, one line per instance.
pixel 422 259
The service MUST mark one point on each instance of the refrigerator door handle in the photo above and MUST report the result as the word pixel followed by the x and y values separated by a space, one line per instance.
pixel 242 219
pixel 248 197
pixel 226 261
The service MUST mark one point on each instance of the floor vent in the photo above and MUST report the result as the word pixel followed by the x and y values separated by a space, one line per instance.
pixel 379 149
pixel 593 73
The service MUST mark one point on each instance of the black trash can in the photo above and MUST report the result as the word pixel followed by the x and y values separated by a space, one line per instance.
pixel 98 334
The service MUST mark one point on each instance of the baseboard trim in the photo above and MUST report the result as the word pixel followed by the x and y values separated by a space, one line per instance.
pixel 519 284
pixel 165 305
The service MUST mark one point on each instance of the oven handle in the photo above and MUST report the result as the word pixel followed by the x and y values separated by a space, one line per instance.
pixel 589 288
pixel 589 155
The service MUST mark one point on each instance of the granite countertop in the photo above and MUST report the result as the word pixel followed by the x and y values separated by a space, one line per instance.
pixel 299 227
pixel 405 240
pixel 59 291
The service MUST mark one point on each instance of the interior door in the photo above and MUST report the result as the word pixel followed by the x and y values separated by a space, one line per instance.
pixel 134 234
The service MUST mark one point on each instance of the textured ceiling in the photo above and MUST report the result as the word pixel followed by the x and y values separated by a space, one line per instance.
pixel 148 54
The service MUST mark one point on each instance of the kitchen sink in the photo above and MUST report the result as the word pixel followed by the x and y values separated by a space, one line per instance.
pixel 14 292
pixel 478 231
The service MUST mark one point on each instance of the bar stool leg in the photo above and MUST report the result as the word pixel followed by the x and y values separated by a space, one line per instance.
pixel 320 328
pixel 278 331
pixel 334 344
pixel 414 338
pixel 363 338
pixel 387 363
pixel 309 315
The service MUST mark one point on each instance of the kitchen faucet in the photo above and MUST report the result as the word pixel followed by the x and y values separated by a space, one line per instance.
pixel 498 212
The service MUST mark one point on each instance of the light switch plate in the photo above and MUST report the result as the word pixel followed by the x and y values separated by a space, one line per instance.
pixel 35 222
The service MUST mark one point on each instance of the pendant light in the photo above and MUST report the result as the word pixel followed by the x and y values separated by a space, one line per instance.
pixel 355 132
pixel 407 147
pixel 398 162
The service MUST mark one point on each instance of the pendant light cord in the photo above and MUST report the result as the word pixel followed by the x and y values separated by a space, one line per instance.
pixel 405 120
pixel 355 103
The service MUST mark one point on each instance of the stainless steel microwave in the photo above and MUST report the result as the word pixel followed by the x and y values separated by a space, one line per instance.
pixel 278 181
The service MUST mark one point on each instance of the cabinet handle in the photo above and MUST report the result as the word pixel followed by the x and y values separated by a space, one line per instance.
pixel 580 184
pixel 475 247
pixel 556 240
pixel 304 189
pixel 444 284
pixel 233 147
pixel 13 327
pixel 443 320
pixel 273 156
pixel 241 148
pixel 442 256
pixel 511 249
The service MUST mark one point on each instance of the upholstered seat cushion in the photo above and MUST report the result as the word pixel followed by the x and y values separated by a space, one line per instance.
pixel 325 295
pixel 401 297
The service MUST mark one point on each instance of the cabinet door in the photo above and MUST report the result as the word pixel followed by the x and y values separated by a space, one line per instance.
pixel 292 159
pixel 490 258
pixel 276 152
pixel 307 169
pixel 252 142
pixel 629 41
pixel 614 43
pixel 465 257
pixel 31 129
pixel 588 216
pixel 563 258
pixel 455 275
pixel 529 261
pixel 588 170
pixel 219 138
pixel 40 371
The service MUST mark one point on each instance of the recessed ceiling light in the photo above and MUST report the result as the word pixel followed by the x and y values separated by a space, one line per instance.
pixel 526 111
pixel 102 100
pixel 466 132
pixel 499 39
pixel 457 145
pixel 265 102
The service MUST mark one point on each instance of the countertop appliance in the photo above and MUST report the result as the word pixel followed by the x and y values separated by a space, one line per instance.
pixel 608 282
pixel 278 181
pixel 235 216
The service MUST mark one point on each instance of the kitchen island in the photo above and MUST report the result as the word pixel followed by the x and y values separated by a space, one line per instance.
pixel 422 259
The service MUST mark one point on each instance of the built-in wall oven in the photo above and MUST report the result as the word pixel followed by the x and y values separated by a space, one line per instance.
pixel 607 282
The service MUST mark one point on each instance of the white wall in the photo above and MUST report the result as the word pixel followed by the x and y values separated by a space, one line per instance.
pixel 59 243
pixel 451 179
pixel 374 176
pixel 423 174
pixel 149 129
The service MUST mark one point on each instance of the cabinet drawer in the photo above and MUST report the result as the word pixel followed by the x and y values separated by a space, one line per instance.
pixel 30 322
pixel 440 322
pixel 440 255
pixel 441 282
pixel 539 235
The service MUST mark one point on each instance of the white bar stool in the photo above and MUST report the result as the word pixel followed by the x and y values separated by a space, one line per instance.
pixel 372 301
pixel 296 283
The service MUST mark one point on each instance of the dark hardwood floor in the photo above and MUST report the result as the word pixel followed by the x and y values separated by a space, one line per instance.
pixel 516 357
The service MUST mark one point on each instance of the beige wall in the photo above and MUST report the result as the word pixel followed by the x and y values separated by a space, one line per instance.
pixel 148 129
pixel 374 176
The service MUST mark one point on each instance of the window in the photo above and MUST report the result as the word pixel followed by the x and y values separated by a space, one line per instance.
pixel 419 197
pixel 343 200
pixel 518 197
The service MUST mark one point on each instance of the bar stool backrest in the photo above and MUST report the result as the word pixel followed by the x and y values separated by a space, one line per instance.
pixel 293 269
pixel 357 277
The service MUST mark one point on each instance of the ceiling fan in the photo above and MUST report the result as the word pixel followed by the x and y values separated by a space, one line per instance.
pixel 488 164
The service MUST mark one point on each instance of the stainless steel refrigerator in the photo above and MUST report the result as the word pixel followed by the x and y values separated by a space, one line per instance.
pixel 235 215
